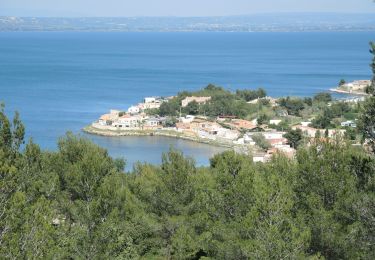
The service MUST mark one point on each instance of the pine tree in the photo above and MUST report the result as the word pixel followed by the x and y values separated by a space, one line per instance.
pixel 367 118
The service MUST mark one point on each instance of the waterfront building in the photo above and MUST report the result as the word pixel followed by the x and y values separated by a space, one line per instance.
pixel 128 121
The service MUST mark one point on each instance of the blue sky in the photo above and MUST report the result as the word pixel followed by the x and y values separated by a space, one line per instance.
pixel 177 7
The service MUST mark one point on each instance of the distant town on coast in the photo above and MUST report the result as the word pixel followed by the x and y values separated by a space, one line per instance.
pixel 272 22
pixel 246 120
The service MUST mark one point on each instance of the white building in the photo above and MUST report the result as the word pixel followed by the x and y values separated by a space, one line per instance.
pixel 152 122
pixel 149 100
pixel 349 124
pixel 127 121
pixel 133 110
pixel 275 121
pixel 307 123
pixel 273 135
pixel 187 119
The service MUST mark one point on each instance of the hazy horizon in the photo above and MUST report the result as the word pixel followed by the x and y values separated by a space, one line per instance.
pixel 201 16
pixel 170 8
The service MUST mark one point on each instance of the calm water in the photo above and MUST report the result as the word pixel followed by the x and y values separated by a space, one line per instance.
pixel 63 81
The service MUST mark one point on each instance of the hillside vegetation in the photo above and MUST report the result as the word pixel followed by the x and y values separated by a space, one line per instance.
pixel 77 203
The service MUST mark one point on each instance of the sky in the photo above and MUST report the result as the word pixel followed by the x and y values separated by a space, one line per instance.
pixel 107 8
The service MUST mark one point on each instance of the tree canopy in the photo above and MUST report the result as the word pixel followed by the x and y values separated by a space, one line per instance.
pixel 77 202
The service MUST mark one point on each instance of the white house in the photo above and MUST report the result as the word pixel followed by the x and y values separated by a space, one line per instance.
pixel 133 110
pixel 149 100
pixel 127 121
pixel 349 124
pixel 307 123
pixel 187 119
pixel 275 121
pixel 152 122
pixel 273 135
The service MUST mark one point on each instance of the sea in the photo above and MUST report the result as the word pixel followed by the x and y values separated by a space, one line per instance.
pixel 62 81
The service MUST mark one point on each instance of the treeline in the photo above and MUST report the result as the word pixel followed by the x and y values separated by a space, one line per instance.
pixel 77 203
pixel 222 103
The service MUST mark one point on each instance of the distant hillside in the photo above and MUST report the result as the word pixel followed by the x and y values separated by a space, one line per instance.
pixel 250 23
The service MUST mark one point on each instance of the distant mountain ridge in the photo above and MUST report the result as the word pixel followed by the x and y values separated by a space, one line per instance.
pixel 283 22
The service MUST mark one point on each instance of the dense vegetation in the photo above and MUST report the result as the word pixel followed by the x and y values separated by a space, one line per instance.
pixel 77 203
pixel 322 110
pixel 223 103
pixel 367 119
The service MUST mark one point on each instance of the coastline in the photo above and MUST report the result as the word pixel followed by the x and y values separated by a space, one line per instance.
pixel 157 132
pixel 347 92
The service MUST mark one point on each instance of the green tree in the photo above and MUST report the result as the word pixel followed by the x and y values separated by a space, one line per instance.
pixel 293 105
pixel 261 141
pixel 323 97
pixel 367 117
pixel 323 120
pixel 294 137
pixel 342 82
pixel 192 108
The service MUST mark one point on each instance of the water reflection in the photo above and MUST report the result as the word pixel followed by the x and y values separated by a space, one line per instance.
pixel 150 148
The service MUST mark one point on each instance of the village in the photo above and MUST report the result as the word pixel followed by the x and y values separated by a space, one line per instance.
pixel 262 139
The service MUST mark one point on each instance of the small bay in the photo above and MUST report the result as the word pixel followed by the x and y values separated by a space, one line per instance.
pixel 62 81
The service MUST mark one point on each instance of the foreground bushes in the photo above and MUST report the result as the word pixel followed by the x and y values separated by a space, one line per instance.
pixel 77 203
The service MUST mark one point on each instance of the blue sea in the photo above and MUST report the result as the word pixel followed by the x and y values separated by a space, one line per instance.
pixel 61 81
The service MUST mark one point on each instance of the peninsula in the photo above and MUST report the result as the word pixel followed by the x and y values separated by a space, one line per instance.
pixel 357 87
pixel 244 120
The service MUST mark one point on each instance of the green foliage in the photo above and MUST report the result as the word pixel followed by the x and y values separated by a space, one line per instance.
pixel 372 51
pixel 342 82
pixel 262 119
pixel 261 141
pixel 294 137
pixel 170 108
pixel 366 123
pixel 249 95
pixel 292 105
pixel 323 121
pixel 367 117
pixel 77 203
pixel 323 97
pixel 170 122
pixel 192 108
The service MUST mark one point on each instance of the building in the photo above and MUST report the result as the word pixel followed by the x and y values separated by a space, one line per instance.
pixel 128 121
pixel 349 124
pixel 307 130
pixel 242 124
pixel 108 119
pixel 307 123
pixel 149 100
pixel 312 132
pixel 199 100
pixel 275 121
pixel 133 110
pixel 187 119
pixel 105 119
pixel 152 122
